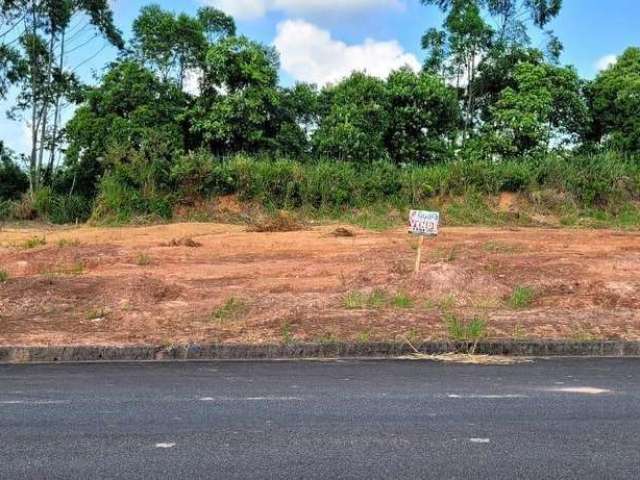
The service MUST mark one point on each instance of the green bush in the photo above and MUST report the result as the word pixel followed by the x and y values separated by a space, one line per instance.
pixel 193 175
pixel 603 180
pixel 571 185
pixel 330 184
pixel 13 181
pixel 6 210
pixel 136 185
pixel 70 209
pixel 118 203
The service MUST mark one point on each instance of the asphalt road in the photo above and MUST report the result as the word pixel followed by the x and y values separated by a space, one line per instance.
pixel 552 419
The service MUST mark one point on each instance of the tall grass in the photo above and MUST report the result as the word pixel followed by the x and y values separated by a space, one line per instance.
pixel 605 186
pixel 588 180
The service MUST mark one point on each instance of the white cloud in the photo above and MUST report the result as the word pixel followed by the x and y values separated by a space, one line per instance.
pixel 242 9
pixel 252 9
pixel 605 62
pixel 310 54
pixel 191 84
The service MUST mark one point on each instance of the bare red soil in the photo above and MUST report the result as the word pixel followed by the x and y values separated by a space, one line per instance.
pixel 167 284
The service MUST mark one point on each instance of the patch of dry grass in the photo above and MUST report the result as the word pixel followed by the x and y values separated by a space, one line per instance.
pixel 182 242
pixel 343 232
pixel 469 359
pixel 282 222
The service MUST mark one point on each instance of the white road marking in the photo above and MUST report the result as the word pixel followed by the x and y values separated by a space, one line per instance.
pixel 479 440
pixel 273 399
pixel 474 395
pixel 34 402
pixel 165 445
pixel 250 399
pixel 582 390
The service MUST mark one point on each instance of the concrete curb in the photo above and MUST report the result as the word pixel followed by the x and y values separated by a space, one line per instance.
pixel 298 351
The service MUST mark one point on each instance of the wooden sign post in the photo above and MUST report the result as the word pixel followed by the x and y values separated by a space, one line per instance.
pixel 423 224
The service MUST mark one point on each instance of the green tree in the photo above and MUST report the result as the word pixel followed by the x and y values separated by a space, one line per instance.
pixel 298 115
pixel 614 98
pixel 35 63
pixel 241 107
pixel 466 43
pixel 424 117
pixel 497 72
pixel 173 44
pixel 545 104
pixel 130 106
pixel 13 181
pixel 354 120
pixel 457 51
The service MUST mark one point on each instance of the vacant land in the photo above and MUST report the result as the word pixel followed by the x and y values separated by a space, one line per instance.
pixel 220 283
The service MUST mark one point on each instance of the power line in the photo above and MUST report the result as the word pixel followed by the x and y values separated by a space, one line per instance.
pixel 78 32
pixel 105 45
pixel 82 45
pixel 13 27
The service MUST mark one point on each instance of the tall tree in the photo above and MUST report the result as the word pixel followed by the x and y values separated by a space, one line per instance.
pixel 13 181
pixel 475 32
pixel 129 106
pixel 240 102
pixel 174 44
pixel 545 104
pixel 354 120
pixel 614 98
pixel 424 117
pixel 37 39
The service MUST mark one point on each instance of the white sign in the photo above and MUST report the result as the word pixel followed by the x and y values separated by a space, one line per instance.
pixel 424 223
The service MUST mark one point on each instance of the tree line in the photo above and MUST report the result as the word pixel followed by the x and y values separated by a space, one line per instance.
pixel 184 86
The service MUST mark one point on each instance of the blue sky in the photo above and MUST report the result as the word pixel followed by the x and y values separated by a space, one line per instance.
pixel 322 40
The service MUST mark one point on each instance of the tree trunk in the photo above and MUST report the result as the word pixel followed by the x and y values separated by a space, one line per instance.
pixel 56 114
pixel 33 172
pixel 46 100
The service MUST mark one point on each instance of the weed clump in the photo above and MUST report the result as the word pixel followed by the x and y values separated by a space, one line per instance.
pixel 356 300
pixel 32 243
pixel 143 260
pixel 232 309
pixel 402 300
pixel 68 242
pixel 343 232
pixel 522 297
pixel 182 242
pixel 467 331
pixel 282 222
pixel 98 313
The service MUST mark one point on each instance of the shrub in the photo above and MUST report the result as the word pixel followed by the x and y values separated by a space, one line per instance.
pixel 137 184
pixel 466 330
pixel 193 175
pixel 121 203
pixel 522 297
pixel 7 208
pixel 330 185
pixel 232 309
pixel 13 181
pixel 604 187
pixel 61 209
pixel 33 242
pixel 23 209
pixel 70 209
pixel 402 300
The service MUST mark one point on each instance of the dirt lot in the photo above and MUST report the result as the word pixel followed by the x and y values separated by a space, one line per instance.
pixel 131 285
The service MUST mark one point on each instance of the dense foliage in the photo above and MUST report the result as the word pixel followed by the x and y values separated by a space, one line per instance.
pixel 487 113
